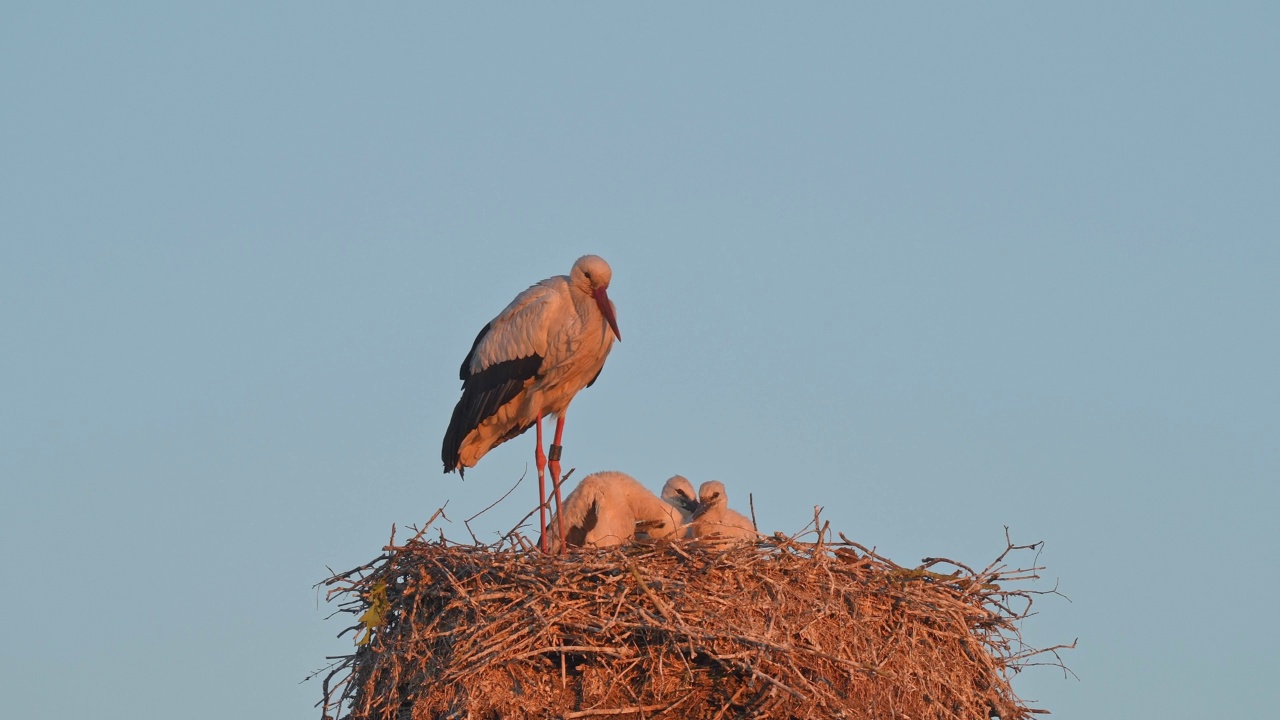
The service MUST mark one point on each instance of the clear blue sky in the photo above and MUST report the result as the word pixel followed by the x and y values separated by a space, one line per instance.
pixel 937 269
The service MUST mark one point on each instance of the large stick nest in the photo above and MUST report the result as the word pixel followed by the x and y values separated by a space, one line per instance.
pixel 780 629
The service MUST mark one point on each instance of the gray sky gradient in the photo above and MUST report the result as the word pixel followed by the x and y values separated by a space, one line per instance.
pixel 938 270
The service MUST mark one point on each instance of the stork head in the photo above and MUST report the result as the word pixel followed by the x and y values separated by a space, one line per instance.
pixel 710 494
pixel 679 492
pixel 591 275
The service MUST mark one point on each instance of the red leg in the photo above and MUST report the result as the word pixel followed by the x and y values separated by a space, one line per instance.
pixel 556 448
pixel 541 461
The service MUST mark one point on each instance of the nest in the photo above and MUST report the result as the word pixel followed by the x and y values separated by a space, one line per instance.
pixel 780 629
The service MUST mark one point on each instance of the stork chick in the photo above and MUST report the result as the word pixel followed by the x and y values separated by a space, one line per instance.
pixel 678 492
pixel 604 510
pixel 716 521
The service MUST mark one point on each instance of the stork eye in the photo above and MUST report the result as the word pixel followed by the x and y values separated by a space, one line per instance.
pixel 586 274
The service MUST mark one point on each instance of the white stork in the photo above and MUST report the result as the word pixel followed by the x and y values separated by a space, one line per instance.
pixel 678 491
pixel 605 510
pixel 715 520
pixel 529 362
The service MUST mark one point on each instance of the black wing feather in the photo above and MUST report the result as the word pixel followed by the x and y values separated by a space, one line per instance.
pixel 465 370
pixel 482 394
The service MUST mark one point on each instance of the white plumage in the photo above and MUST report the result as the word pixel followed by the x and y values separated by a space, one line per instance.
pixel 529 362
pixel 678 492
pixel 715 521
pixel 603 511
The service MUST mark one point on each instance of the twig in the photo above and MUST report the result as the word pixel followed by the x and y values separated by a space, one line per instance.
pixel 633 710
pixel 729 702
pixel 504 496
pixel 438 513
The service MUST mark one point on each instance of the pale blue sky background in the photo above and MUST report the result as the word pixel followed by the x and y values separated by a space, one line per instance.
pixel 938 269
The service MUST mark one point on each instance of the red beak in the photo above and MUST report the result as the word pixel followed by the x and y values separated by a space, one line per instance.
pixel 606 309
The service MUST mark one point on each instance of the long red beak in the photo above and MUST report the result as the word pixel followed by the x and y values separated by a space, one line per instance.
pixel 606 309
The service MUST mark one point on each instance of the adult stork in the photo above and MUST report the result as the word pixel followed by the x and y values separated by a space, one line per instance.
pixel 529 362
pixel 716 522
